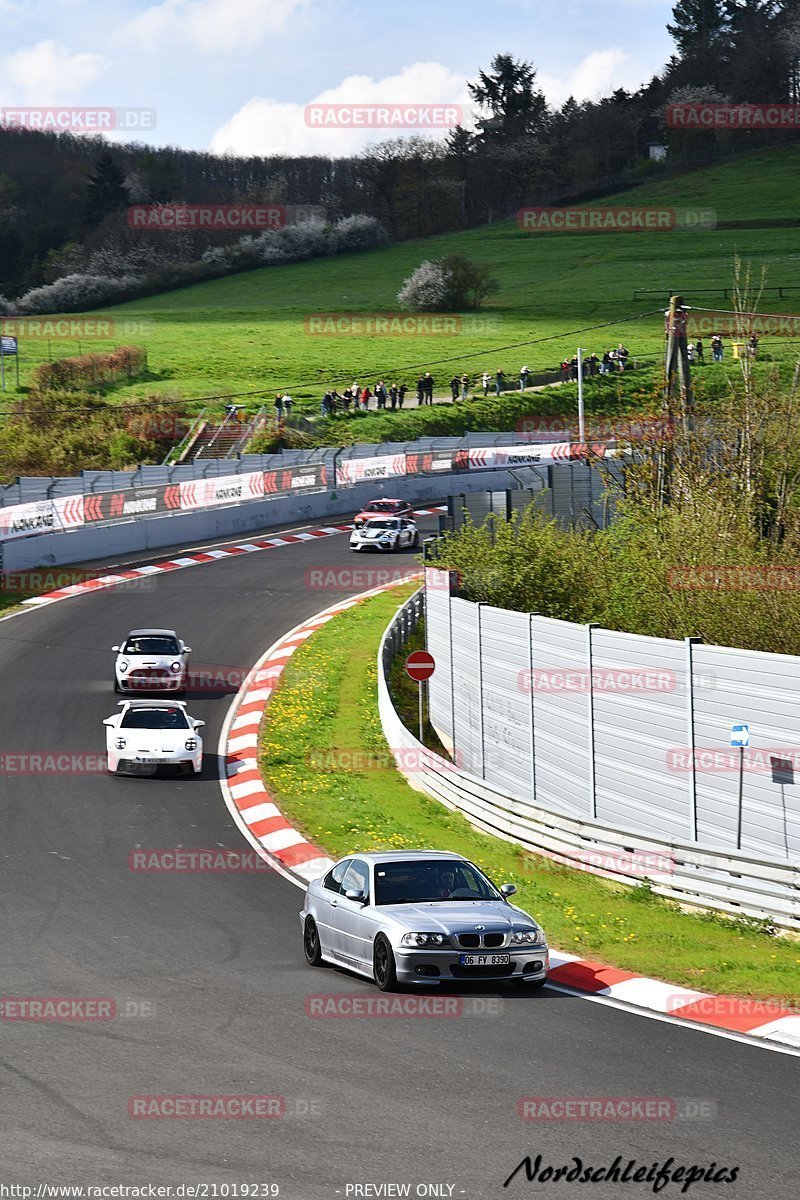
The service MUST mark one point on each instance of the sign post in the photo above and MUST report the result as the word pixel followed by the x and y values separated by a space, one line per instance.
pixel 581 415
pixel 420 665
pixel 8 346
pixel 740 736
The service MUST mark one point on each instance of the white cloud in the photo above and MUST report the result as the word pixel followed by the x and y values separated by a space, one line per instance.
pixel 211 26
pixel 597 75
pixel 48 73
pixel 266 126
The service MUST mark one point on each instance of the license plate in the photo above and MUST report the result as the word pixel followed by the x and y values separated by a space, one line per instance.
pixel 484 960
pixel 152 761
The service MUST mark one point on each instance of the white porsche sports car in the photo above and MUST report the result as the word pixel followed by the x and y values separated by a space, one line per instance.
pixel 151 660
pixel 148 735
pixel 385 533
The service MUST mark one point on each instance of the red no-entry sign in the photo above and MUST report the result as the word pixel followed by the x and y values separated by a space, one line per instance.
pixel 420 665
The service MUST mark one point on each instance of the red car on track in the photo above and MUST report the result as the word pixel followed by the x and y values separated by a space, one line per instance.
pixel 383 508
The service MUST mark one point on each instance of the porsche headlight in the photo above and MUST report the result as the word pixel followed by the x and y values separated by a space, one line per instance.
pixel 191 743
pixel 120 743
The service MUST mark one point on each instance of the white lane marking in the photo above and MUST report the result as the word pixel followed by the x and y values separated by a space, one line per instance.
pixel 695 1026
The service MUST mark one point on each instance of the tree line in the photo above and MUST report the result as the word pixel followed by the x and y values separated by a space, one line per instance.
pixel 63 198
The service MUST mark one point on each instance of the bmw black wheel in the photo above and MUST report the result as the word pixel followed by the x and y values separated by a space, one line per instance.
pixel 383 966
pixel 311 946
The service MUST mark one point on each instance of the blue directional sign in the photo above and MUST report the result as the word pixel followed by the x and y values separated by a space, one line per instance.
pixel 740 735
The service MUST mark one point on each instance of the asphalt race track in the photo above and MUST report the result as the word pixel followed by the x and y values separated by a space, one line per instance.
pixel 211 970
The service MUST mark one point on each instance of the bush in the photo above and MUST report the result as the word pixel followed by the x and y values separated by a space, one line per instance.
pixel 450 283
pixel 77 293
pixel 427 290
pixel 90 369
pixel 358 232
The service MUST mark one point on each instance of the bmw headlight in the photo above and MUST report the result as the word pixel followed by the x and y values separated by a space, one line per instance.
pixel 424 940
pixel 120 743
pixel 526 937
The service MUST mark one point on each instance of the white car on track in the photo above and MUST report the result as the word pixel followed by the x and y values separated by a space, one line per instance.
pixel 148 735
pixel 151 660
pixel 385 533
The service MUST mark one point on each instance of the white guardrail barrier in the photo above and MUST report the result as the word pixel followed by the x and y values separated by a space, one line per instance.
pixel 726 881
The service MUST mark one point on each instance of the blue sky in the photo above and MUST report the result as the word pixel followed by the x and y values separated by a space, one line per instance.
pixel 237 74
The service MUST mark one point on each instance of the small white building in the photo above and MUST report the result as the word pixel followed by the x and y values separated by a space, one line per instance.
pixel 658 151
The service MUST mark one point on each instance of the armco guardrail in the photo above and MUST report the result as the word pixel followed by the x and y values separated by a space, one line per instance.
pixel 61 505
pixel 739 884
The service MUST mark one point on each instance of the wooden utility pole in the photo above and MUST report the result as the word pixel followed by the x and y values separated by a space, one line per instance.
pixel 678 386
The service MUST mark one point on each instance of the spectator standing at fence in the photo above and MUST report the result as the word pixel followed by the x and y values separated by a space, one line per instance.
pixel 752 346
pixel 605 364
pixel 420 391
pixel 393 397
pixel 524 375
pixel 593 362
pixel 428 388
pixel 279 408
pixel 347 399
pixel 565 370
pixel 699 350
pixel 401 394
pixel 499 382
pixel 691 352
pixel 573 368
pixel 454 386
pixel 287 407
pixel 716 348
pixel 365 396
pixel 465 386
pixel 380 394
pixel 486 381
pixel 622 356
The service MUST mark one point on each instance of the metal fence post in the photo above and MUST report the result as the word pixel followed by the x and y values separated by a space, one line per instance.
pixel 531 710
pixel 480 690
pixel 689 643
pixel 592 779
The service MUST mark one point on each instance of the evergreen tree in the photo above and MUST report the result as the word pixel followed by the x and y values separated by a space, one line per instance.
pixel 105 189
pixel 701 31
pixel 517 107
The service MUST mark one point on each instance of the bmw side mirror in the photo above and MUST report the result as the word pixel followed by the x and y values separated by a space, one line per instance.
pixel 356 895
pixel 508 889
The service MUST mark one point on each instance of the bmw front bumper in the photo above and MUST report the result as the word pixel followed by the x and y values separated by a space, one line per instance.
pixel 427 967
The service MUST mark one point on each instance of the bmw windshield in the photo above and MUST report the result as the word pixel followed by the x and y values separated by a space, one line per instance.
pixel 429 881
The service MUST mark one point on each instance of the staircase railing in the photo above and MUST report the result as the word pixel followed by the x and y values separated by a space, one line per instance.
pixel 191 432
pixel 249 430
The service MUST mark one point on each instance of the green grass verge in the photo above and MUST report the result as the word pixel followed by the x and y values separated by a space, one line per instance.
pixel 250 331
pixel 325 760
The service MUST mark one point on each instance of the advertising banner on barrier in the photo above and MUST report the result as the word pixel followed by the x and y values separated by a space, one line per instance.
pixel 222 489
pixel 529 454
pixel 356 470
pixel 430 462
pixel 41 516
pixel 310 477
pixel 116 506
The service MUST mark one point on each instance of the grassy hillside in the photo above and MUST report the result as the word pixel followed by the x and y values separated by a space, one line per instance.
pixel 248 332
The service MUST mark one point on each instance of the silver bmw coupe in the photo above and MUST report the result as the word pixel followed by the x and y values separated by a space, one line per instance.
pixel 420 917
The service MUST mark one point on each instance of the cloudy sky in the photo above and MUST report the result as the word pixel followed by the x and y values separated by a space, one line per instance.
pixel 238 75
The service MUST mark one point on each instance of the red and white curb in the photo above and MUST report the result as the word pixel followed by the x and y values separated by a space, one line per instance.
pixel 732 1014
pixel 251 804
pixel 262 823
pixel 189 560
